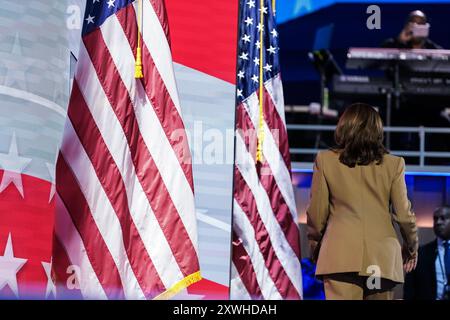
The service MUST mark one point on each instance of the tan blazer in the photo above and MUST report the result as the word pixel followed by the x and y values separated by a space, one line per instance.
pixel 350 226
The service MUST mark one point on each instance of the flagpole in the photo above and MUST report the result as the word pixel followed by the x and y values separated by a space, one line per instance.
pixel 259 156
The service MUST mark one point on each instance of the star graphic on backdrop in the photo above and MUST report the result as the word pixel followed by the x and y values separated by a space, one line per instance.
pixel 255 78
pixel 274 33
pixel 239 93
pixel 9 266
pixel 248 21
pixel 111 3
pixel 256 61
pixel 241 74
pixel 15 70
pixel 246 38
pixel 305 5
pixel 251 4
pixel 13 166
pixel 51 288
pixel 90 19
pixel 258 44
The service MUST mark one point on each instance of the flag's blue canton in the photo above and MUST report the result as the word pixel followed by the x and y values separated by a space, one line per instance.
pixel 97 11
pixel 249 44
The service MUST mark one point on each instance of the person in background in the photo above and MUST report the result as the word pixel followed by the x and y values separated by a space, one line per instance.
pixel 349 224
pixel 415 34
pixel 430 281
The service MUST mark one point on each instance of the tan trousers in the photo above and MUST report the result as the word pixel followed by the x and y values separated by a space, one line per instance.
pixel 350 286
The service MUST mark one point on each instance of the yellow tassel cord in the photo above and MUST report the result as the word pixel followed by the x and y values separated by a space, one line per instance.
pixel 138 64
pixel 259 156
pixel 183 284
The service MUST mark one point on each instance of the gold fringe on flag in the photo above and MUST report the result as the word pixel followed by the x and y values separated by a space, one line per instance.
pixel 138 64
pixel 182 284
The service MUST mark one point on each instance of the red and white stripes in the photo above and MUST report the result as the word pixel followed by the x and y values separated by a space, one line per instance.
pixel 125 204
pixel 266 247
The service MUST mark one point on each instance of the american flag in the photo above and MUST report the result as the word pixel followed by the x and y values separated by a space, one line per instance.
pixel 125 223
pixel 266 245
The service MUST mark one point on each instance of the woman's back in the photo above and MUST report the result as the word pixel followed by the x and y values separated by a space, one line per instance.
pixel 350 226
pixel 361 188
pixel 359 231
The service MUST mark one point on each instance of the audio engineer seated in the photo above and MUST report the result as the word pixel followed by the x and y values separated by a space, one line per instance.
pixel 415 34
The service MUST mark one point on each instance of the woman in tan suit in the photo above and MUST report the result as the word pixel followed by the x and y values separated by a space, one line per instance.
pixel 350 226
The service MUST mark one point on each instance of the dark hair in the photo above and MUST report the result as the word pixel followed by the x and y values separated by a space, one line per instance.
pixel 359 136
pixel 416 14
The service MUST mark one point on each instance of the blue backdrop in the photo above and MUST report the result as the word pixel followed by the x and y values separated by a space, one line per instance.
pixel 290 9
